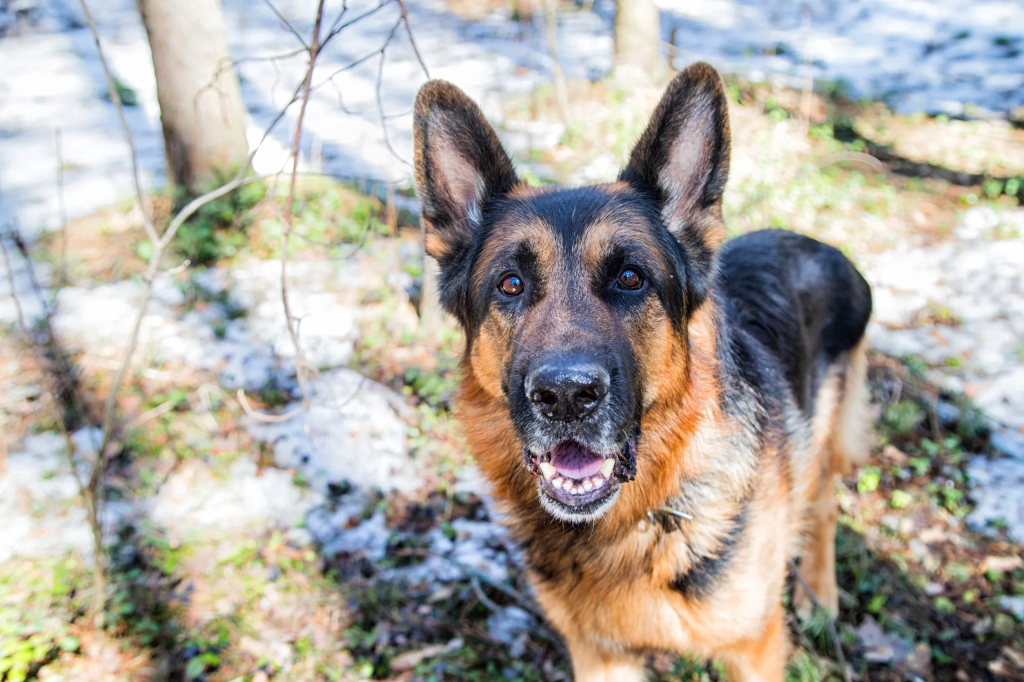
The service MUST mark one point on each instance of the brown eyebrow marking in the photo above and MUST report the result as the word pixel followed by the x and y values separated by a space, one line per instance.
pixel 611 226
pixel 537 233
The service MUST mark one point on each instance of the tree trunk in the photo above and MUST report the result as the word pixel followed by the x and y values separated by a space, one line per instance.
pixel 638 41
pixel 197 87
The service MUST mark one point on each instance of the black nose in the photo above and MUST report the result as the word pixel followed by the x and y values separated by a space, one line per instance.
pixel 567 390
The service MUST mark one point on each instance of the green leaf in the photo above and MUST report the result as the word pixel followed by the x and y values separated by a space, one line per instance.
pixel 69 643
pixel 900 499
pixel 195 667
pixel 868 480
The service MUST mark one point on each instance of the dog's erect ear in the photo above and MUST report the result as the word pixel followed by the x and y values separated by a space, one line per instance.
pixel 683 158
pixel 460 164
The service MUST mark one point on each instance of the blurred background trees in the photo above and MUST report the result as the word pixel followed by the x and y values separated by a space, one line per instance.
pixel 638 45
pixel 201 106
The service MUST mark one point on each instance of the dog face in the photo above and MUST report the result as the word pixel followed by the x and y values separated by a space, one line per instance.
pixel 575 302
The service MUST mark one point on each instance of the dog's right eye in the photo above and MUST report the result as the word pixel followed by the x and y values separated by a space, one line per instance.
pixel 512 285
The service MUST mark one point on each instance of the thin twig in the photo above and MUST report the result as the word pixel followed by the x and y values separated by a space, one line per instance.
pixel 226 63
pixel 151 414
pixel 69 445
pixel 115 98
pixel 160 243
pixel 338 28
pixel 87 493
pixel 561 91
pixel 484 599
pixel 380 95
pixel 67 377
pixel 351 65
pixel 261 416
pixel 807 94
pixel 300 359
pixel 63 216
pixel 833 634
pixel 412 41
pixel 853 157
pixel 287 24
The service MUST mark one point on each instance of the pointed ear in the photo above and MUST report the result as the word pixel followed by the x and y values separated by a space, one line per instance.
pixel 682 158
pixel 460 164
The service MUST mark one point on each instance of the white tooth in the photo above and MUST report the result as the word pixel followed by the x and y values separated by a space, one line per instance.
pixel 587 485
pixel 548 470
pixel 557 483
pixel 607 466
pixel 567 485
pixel 598 482
pixel 575 491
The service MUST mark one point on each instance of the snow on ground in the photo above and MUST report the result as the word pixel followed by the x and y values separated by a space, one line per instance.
pixel 921 55
pixel 976 284
pixel 934 56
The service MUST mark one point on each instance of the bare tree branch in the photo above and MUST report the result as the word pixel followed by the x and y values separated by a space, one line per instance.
pixel 115 98
pixel 62 280
pixel 93 489
pixel 300 359
pixel 287 24
pixel 561 92
pixel 380 96
pixel 67 384
pixel 265 418
pixel 87 495
pixel 341 27
pixel 412 41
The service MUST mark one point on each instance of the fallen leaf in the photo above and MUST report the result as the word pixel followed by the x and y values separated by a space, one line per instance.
pixel 1003 564
pixel 410 659
pixel 1014 655
pixel 894 454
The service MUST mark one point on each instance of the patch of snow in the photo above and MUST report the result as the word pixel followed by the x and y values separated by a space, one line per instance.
pixel 39 501
pixel 368 539
pixel 511 626
pixel 1014 605
pixel 479 548
pixel 356 435
pixel 998 494
pixel 978 282
pixel 193 499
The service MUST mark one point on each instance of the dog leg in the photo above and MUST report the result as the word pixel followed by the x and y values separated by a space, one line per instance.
pixel 762 659
pixel 818 563
pixel 845 442
pixel 591 664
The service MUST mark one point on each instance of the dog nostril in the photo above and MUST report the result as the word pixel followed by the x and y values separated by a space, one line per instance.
pixel 545 399
pixel 587 397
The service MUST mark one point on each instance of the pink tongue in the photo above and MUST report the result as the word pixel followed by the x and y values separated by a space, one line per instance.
pixel 573 461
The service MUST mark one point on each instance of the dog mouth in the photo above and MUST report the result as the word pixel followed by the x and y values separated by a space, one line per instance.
pixel 577 477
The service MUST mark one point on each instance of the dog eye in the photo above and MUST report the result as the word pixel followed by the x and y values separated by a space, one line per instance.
pixel 630 278
pixel 512 285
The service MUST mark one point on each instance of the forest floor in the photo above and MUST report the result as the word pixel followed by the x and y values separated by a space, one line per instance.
pixel 363 546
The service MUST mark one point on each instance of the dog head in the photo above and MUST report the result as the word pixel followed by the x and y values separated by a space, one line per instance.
pixel 576 301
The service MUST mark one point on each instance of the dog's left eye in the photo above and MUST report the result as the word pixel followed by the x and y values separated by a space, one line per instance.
pixel 512 285
pixel 630 278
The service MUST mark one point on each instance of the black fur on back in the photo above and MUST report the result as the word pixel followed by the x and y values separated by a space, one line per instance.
pixel 804 301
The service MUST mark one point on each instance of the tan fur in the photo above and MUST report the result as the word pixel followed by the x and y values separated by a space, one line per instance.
pixel 613 603
pixel 608 595
pixel 840 437
pixel 617 588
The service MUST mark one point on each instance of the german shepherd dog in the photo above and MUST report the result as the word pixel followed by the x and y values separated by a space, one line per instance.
pixel 661 416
